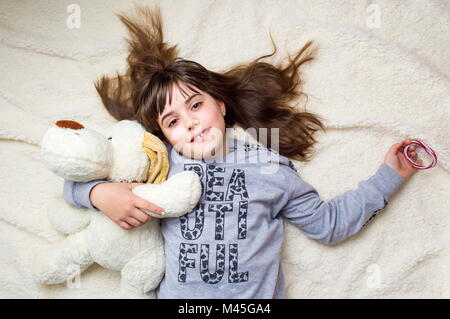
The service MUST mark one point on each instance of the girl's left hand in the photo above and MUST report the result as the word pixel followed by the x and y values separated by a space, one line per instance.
pixel 396 160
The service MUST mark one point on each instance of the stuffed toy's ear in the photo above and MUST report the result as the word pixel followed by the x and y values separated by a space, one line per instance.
pixel 159 159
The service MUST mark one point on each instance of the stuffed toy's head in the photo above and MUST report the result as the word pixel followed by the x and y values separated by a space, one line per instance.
pixel 126 154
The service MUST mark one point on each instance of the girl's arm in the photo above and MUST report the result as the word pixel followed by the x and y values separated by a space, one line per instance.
pixel 75 193
pixel 115 200
pixel 343 216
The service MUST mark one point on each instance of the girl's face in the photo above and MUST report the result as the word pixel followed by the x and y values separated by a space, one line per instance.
pixel 190 115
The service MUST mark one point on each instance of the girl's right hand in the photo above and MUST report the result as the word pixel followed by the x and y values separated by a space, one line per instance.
pixel 121 205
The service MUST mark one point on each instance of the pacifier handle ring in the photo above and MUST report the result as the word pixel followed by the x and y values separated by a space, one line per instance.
pixel 427 149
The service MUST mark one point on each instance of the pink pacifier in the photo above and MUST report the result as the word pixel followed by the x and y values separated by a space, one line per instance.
pixel 426 148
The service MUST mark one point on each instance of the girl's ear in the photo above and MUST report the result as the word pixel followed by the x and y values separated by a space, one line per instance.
pixel 222 108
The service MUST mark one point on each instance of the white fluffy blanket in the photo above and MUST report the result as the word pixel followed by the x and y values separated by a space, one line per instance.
pixel 381 75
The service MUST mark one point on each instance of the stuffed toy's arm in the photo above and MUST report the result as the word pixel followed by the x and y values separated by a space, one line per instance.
pixel 177 196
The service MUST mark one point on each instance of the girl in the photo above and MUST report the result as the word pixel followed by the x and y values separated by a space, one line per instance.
pixel 229 246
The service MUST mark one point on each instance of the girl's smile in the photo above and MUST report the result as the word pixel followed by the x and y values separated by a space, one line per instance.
pixel 200 136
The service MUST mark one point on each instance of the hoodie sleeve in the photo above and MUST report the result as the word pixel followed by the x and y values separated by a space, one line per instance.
pixel 77 193
pixel 344 215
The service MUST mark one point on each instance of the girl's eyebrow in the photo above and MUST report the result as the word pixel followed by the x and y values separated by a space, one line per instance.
pixel 185 103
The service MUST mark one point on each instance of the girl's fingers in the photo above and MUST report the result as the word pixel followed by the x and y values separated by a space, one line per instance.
pixel 125 225
pixel 143 204
pixel 141 216
pixel 133 185
pixel 132 221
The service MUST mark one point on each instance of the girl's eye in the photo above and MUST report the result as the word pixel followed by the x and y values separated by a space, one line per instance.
pixel 171 123
pixel 193 106
pixel 198 103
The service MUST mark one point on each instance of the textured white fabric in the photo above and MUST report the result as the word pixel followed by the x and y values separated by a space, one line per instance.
pixel 381 75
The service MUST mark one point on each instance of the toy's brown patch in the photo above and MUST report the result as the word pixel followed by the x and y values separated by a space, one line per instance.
pixel 69 124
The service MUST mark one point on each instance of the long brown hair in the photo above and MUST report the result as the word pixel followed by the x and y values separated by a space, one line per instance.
pixel 256 94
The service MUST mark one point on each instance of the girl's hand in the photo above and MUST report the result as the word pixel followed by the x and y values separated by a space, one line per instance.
pixel 121 205
pixel 398 162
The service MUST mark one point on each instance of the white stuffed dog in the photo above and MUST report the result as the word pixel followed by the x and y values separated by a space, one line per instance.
pixel 80 154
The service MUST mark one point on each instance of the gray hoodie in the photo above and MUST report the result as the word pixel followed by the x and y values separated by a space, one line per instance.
pixel 229 246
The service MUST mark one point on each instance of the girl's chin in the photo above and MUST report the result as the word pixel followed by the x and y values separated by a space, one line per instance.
pixel 204 150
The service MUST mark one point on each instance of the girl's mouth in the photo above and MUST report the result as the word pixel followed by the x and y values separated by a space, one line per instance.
pixel 201 136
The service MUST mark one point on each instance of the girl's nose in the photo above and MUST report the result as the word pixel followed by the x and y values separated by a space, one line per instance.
pixel 193 123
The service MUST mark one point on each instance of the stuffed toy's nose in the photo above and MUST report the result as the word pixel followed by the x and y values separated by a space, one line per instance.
pixel 69 124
